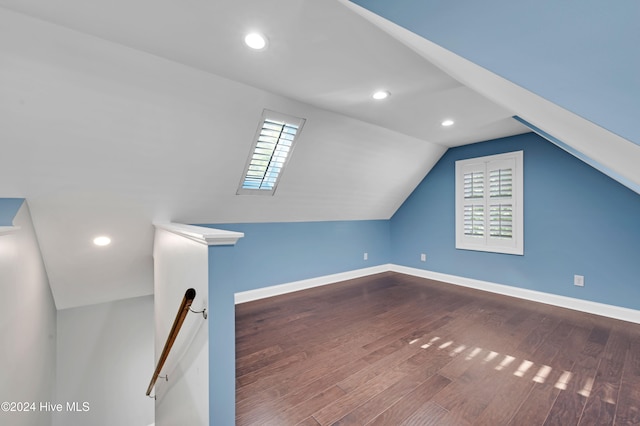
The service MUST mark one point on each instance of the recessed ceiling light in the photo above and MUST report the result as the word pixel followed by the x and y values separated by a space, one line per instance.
pixel 447 123
pixel 381 94
pixel 255 41
pixel 102 241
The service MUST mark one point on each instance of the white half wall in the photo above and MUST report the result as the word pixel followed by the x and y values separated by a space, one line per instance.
pixel 180 263
pixel 27 325
pixel 105 353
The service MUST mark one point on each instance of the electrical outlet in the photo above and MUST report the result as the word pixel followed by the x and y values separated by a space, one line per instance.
pixel 578 280
pixel 423 257
pixel 366 256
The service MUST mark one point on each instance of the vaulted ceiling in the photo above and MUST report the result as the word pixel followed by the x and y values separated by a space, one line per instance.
pixel 117 115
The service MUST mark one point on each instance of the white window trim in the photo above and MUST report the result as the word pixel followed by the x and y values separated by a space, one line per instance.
pixel 514 245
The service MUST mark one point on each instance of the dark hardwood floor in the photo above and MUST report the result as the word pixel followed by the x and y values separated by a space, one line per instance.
pixel 398 350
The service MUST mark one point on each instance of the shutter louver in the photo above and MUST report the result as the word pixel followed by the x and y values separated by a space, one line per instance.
pixel 501 215
pixel 272 146
pixel 473 185
pixel 270 154
pixel 474 220
pixel 500 183
pixel 501 220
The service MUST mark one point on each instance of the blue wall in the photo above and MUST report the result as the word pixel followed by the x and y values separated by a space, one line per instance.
pixel 577 221
pixel 270 254
pixel 581 55
pixel 8 209
pixel 222 335
pixel 277 253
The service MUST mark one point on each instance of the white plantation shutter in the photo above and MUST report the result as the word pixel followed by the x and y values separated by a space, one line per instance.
pixel 474 206
pixel 269 155
pixel 474 185
pixel 500 202
pixel 270 152
pixel 501 220
pixel 474 220
pixel 489 203
pixel 500 182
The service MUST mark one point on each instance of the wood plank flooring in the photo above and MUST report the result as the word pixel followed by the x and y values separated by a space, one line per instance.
pixel 391 349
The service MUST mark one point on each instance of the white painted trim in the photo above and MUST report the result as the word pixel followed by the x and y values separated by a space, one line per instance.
pixel 276 290
pixel 596 308
pixel 202 234
pixel 5 230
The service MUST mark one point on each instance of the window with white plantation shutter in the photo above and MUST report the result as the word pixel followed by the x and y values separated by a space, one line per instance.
pixel 489 204
pixel 270 152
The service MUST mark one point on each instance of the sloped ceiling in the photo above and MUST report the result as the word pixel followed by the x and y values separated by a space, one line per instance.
pixel 582 56
pixel 576 67
pixel 115 115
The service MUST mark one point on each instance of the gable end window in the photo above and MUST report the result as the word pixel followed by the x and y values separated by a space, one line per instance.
pixel 489 203
pixel 270 152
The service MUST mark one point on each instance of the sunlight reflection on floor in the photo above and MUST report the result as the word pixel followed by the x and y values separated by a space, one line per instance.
pixel 540 376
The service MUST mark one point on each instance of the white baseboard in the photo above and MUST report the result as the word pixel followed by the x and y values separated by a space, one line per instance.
pixel 596 308
pixel 276 290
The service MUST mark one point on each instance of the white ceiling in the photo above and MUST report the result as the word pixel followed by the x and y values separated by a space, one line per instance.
pixel 116 115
